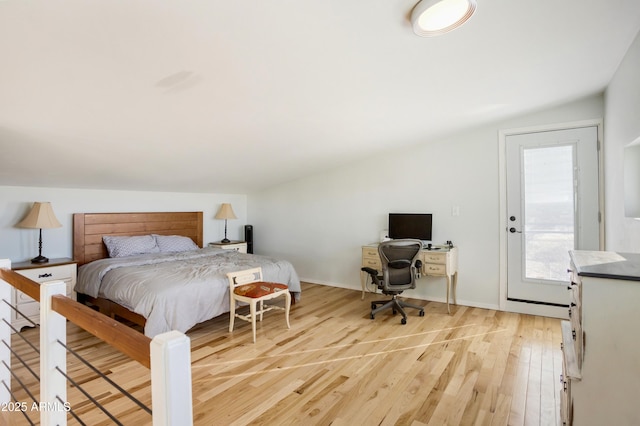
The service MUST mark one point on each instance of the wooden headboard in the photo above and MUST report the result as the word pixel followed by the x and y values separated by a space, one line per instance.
pixel 89 228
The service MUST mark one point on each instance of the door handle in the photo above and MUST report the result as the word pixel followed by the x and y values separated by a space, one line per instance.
pixel 513 231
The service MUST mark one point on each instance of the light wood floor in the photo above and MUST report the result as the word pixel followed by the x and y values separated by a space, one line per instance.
pixel 336 366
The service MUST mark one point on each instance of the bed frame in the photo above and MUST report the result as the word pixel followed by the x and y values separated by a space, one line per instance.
pixel 89 228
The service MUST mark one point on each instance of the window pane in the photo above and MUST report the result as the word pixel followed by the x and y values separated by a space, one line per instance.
pixel 549 220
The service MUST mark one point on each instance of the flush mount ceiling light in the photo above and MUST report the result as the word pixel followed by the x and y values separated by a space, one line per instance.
pixel 434 17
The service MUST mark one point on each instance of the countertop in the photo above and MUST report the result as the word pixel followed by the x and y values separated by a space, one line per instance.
pixel 606 264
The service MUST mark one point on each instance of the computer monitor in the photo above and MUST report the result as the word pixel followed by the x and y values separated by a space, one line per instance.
pixel 411 225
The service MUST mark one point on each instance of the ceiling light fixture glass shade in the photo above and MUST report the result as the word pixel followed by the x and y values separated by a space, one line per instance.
pixel 434 17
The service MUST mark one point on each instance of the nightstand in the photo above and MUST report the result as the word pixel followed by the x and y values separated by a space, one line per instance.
pixel 239 246
pixel 55 270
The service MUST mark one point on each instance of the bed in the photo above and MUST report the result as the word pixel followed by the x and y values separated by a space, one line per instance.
pixel 160 288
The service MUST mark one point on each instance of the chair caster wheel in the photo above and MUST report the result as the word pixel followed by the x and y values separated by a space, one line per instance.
pixel 421 313
pixel 373 305
pixel 403 321
pixel 373 316
pixel 394 312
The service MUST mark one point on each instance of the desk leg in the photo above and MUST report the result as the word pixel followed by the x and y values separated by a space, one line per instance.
pixel 363 278
pixel 448 290
pixel 452 284
pixel 455 287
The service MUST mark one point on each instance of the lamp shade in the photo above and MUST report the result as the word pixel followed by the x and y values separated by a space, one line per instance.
pixel 225 212
pixel 434 17
pixel 41 216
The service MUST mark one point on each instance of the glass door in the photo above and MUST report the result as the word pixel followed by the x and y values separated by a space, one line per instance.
pixel 553 207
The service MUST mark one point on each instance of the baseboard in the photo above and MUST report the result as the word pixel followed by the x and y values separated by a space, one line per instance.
pixel 536 309
pixel 330 284
pixel 461 302
pixel 510 306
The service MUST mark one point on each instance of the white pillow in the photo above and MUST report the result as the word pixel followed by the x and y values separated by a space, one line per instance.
pixel 130 246
pixel 174 243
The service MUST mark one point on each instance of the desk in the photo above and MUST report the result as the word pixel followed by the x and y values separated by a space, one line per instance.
pixel 435 263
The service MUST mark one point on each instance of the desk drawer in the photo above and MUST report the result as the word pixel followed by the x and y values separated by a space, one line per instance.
pixel 372 262
pixel 434 269
pixel 53 273
pixel 435 258
pixel 369 252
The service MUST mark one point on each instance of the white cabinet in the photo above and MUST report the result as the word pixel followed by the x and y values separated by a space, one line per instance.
pixel 54 270
pixel 239 246
pixel 601 353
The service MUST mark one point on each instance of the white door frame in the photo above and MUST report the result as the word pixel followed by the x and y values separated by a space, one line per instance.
pixel 524 307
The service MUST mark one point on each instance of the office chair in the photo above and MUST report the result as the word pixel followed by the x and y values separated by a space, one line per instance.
pixel 399 269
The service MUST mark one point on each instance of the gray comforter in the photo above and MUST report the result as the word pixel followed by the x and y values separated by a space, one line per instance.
pixel 175 291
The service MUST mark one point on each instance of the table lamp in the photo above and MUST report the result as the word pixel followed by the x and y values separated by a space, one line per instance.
pixel 225 212
pixel 41 216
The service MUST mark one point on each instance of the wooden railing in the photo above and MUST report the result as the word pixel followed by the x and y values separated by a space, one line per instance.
pixel 125 339
pixel 167 355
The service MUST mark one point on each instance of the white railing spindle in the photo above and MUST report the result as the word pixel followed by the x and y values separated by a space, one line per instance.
pixel 53 328
pixel 171 379
pixel 5 333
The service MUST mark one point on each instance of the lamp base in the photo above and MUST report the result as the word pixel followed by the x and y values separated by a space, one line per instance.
pixel 40 259
pixel 225 240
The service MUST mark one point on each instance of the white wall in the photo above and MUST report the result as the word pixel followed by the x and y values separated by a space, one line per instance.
pixel 622 126
pixel 320 222
pixel 21 244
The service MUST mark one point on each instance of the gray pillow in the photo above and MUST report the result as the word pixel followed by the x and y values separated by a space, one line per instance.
pixel 174 243
pixel 130 246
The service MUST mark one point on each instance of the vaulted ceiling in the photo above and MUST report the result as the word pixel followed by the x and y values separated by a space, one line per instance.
pixel 231 96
